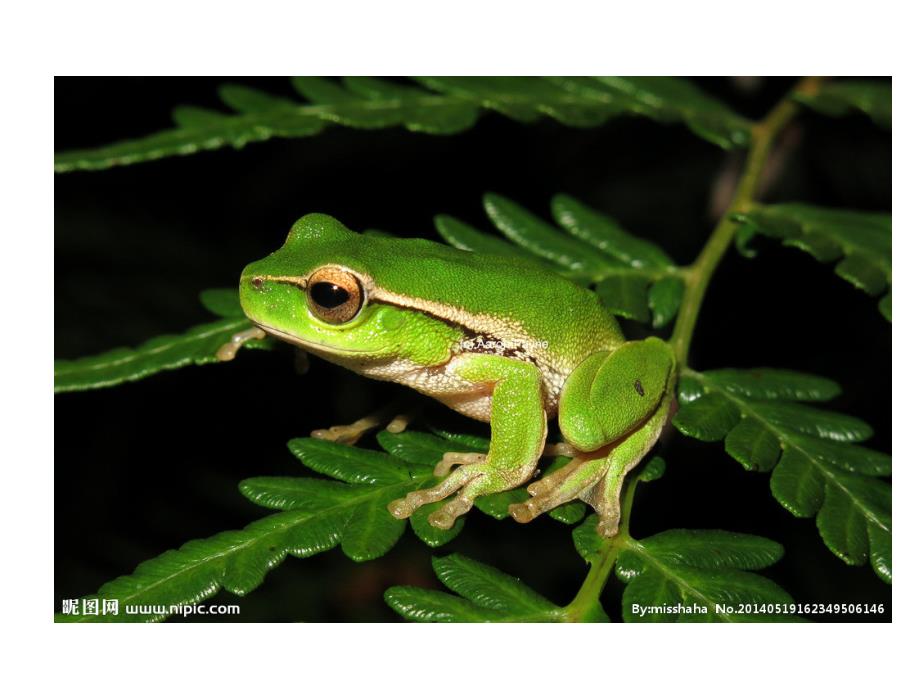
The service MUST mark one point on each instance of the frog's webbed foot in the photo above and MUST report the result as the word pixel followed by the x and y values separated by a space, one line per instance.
pixel 572 481
pixel 349 434
pixel 228 350
pixel 460 478
pixel 471 480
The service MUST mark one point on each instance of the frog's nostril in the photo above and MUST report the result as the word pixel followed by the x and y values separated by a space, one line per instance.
pixel 256 283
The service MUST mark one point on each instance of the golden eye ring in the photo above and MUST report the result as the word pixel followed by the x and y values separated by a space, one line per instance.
pixel 334 295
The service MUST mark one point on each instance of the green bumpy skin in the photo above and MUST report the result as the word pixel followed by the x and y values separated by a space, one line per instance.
pixel 499 339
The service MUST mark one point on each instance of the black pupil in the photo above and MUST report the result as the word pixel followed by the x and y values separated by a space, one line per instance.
pixel 328 295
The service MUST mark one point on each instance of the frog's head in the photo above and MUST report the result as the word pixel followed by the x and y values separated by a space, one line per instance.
pixel 316 293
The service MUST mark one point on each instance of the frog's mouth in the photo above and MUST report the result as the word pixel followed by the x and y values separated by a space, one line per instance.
pixel 319 348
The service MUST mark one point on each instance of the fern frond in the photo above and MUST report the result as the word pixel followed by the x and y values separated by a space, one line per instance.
pixel 837 98
pixel 634 278
pixel 815 467
pixel 702 570
pixel 316 515
pixel 198 345
pixel 859 242
pixel 445 105
pixel 486 595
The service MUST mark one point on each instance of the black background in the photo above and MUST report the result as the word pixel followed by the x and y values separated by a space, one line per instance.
pixel 145 467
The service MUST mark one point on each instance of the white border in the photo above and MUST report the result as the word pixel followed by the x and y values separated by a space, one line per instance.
pixel 393 38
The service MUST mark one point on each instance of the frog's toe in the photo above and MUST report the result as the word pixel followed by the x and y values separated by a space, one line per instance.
pixel 228 350
pixel 404 507
pixel 449 460
pixel 608 527
pixel 444 517
pixel 399 423
pixel 347 434
pixel 553 480
pixel 523 512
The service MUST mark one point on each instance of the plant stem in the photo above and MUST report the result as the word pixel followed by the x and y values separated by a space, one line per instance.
pixel 763 134
pixel 586 607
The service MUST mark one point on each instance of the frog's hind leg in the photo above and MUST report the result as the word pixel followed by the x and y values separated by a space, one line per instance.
pixel 604 496
pixel 615 404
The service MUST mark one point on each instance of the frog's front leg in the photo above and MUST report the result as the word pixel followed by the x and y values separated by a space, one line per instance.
pixel 518 433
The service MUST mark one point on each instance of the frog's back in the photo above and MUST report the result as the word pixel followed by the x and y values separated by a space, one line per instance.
pixel 505 297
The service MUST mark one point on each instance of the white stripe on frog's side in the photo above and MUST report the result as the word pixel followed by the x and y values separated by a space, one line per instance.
pixel 489 334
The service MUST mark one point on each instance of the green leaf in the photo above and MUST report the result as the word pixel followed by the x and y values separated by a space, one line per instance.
pixel 664 299
pixel 653 469
pixel 418 114
pixel 223 302
pixel 433 536
pixel 486 595
pixel 666 99
pixel 462 236
pixel 808 420
pixel 837 98
pixel 817 469
pixel 486 586
pixel 714 549
pixel 842 527
pixel 371 531
pixel 476 444
pixel 427 449
pixel 244 99
pixel 428 606
pixel 860 241
pixel 588 543
pixel 697 575
pixel 198 345
pixel 773 384
pixel 569 513
pixel 605 234
pixel 440 105
pixel 496 505
pixel 634 278
pixel 708 418
pixel 753 445
pixel 884 306
pixel 626 295
pixel 655 591
pixel 536 236
pixel 236 561
pixel 350 464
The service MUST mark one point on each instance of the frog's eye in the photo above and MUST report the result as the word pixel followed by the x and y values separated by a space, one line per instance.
pixel 334 295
